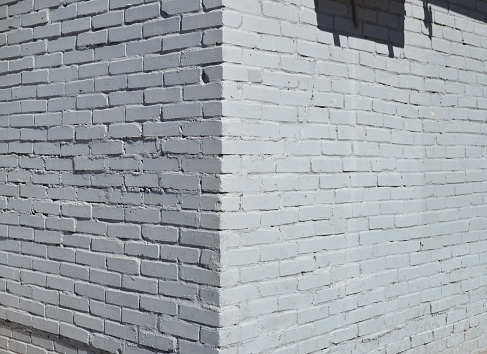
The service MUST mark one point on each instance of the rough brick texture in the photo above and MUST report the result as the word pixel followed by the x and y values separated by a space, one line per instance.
pixel 355 210
pixel 303 187
pixel 109 110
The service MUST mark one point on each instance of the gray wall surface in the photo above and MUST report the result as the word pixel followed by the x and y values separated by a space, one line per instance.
pixel 108 116
pixel 257 176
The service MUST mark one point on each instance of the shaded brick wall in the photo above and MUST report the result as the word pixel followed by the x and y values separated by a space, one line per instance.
pixel 108 113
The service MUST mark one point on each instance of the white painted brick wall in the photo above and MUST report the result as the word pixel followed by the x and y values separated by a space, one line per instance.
pixel 294 190
pixel 357 219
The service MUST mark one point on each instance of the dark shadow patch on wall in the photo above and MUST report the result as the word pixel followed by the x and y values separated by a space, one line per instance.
pixel 474 9
pixel 381 21
pixel 428 18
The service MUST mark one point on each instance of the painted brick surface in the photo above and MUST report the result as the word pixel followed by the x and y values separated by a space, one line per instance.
pixel 109 110
pixel 355 219
pixel 251 176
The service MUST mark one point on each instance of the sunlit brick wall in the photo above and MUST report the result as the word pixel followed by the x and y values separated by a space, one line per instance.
pixel 358 216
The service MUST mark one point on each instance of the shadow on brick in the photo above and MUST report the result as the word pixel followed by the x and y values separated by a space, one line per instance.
pixel 473 9
pixel 381 21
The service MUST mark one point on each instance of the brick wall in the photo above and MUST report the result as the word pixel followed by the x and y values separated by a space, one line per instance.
pixel 109 111
pixel 338 205
pixel 355 210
